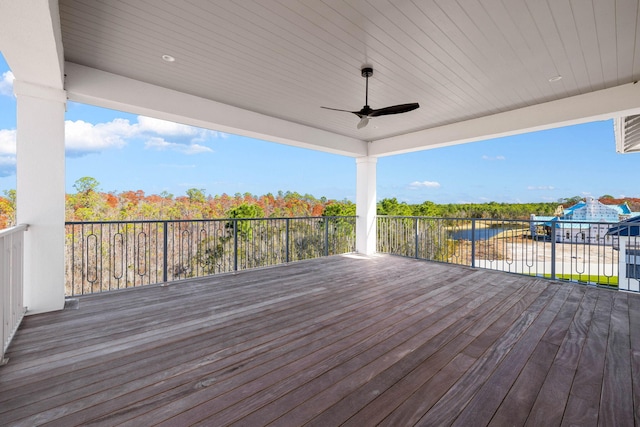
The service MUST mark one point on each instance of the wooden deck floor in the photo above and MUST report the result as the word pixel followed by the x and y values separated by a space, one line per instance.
pixel 341 340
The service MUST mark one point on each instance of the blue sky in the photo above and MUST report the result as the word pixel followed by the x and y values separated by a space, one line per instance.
pixel 129 152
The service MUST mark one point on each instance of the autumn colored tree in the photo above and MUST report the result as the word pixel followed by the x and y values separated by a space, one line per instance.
pixel 88 203
pixel 8 209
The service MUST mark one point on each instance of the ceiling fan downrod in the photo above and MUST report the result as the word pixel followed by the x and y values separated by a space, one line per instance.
pixel 366 73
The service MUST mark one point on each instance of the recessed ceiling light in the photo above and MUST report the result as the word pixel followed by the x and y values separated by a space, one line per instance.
pixel 555 79
pixel 168 58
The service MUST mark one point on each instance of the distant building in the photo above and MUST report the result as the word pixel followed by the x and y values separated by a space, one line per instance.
pixel 585 222
pixel 592 210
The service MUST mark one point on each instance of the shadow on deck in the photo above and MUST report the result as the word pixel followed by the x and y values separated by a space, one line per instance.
pixel 339 340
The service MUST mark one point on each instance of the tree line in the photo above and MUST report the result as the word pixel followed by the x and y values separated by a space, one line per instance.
pixel 492 210
pixel 89 203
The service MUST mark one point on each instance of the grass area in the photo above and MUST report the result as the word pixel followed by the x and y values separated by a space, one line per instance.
pixel 587 278
pixel 481 224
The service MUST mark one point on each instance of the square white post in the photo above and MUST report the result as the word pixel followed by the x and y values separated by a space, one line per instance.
pixel 366 205
pixel 40 192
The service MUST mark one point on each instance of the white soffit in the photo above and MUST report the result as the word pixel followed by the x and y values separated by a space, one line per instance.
pixel 468 63
pixel 95 87
pixel 601 105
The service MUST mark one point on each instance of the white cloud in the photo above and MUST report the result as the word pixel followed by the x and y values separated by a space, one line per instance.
pixel 167 128
pixel 164 127
pixel 7 165
pixel 7 152
pixel 541 188
pixel 82 137
pixel 424 184
pixel 160 144
pixel 7 141
pixel 485 157
pixel 7 160
pixel 6 83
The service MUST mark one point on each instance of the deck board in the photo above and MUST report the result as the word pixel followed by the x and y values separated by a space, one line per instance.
pixel 617 381
pixel 343 340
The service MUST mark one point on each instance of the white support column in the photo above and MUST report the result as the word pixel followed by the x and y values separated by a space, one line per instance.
pixel 366 205
pixel 41 193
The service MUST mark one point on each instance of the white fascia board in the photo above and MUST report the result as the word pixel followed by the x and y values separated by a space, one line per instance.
pixel 103 89
pixel 604 104
pixel 618 130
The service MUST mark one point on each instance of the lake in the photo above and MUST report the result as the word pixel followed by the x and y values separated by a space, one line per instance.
pixel 480 233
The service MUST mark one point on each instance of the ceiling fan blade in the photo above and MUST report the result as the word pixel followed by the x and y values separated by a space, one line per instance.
pixel 395 109
pixel 357 113
pixel 367 112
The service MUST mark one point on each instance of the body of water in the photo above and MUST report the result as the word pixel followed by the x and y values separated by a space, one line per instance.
pixel 480 233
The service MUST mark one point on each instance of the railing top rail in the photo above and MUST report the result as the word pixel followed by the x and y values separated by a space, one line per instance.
pixel 453 218
pixel 528 220
pixel 146 221
pixel 12 230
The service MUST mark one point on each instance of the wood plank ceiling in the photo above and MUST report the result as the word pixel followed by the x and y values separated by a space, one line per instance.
pixel 460 59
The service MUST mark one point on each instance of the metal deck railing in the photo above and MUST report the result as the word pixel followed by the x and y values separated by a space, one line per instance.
pixel 110 255
pixel 578 251
pixel 12 307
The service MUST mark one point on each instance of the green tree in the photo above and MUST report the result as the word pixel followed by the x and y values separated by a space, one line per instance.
pixel 340 209
pixel 86 204
pixel 393 207
pixel 426 208
pixel 196 195
pixel 11 196
pixel 86 184
pixel 166 195
pixel 244 210
pixel 341 231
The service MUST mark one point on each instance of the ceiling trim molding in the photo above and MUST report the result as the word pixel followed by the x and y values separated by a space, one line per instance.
pixel 604 104
pixel 21 88
pixel 103 89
